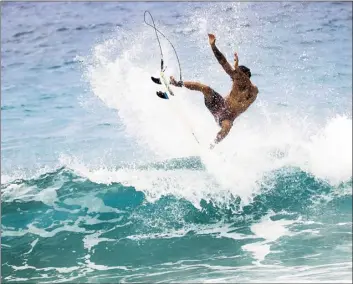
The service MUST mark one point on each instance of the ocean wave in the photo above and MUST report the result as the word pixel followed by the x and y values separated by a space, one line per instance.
pixel 90 219
pixel 157 183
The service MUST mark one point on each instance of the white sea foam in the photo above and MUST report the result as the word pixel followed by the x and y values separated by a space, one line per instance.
pixel 270 231
pixel 262 140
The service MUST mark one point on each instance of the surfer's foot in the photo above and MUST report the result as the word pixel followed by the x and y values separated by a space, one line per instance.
pixel 175 83
pixel 172 81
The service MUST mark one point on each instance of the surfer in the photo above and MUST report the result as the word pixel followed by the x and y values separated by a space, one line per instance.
pixel 242 95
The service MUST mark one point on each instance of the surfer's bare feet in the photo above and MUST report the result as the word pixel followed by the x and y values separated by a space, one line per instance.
pixel 172 81
pixel 175 83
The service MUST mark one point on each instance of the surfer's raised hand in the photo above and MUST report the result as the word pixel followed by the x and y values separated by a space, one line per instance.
pixel 236 59
pixel 211 39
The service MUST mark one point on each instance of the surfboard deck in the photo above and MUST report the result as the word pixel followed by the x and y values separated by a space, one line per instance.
pixel 163 81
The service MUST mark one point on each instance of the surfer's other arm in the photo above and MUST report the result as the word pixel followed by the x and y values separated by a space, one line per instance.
pixel 226 126
pixel 219 56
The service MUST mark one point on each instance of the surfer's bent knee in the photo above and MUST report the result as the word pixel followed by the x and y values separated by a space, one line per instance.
pixel 207 91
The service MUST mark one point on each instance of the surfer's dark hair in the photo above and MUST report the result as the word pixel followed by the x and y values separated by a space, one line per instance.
pixel 246 70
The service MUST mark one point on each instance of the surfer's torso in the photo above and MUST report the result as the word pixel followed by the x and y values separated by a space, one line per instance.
pixel 241 96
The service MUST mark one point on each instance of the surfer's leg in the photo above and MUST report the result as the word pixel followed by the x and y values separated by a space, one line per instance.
pixel 213 101
pixel 195 86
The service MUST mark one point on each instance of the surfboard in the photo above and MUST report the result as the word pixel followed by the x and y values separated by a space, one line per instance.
pixel 163 81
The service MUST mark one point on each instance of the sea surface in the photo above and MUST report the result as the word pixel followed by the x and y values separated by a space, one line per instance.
pixel 103 182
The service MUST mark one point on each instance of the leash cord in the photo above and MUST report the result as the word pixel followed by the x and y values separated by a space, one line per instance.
pixel 160 47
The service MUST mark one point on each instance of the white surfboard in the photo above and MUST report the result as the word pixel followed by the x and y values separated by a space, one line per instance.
pixel 165 82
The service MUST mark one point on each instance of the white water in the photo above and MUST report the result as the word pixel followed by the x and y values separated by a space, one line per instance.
pixel 263 139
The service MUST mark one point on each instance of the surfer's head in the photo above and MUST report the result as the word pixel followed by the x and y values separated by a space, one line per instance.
pixel 246 70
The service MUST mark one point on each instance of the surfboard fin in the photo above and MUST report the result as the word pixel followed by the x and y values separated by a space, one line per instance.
pixel 162 95
pixel 156 80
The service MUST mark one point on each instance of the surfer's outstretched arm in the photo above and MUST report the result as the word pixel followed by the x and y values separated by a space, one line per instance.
pixel 226 126
pixel 219 56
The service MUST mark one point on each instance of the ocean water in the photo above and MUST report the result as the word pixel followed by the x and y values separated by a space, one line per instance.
pixel 103 182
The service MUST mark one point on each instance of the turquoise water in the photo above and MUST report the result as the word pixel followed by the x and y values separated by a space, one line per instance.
pixel 102 181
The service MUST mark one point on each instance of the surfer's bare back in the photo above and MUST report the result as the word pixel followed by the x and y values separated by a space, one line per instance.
pixel 242 95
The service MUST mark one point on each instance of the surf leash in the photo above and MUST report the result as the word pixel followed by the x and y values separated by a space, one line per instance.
pixel 159 43
pixel 164 95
